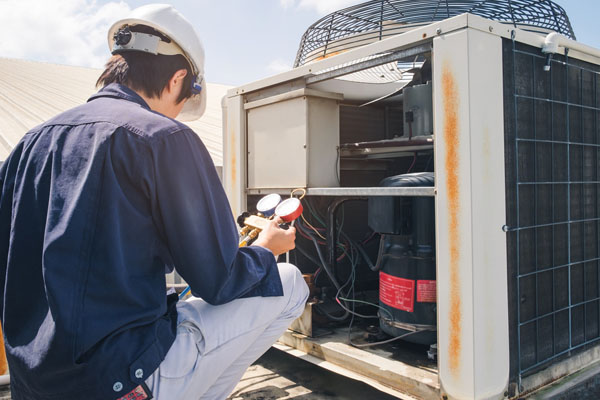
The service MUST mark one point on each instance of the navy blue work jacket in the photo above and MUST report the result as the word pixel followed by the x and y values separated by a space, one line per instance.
pixel 94 205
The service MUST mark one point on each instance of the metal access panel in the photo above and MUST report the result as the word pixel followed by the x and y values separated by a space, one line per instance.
pixel 293 140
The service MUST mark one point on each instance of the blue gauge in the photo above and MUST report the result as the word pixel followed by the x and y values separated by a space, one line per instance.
pixel 266 206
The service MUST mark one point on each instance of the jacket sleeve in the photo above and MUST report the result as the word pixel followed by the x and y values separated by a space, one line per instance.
pixel 194 216
pixel 2 173
pixel 8 169
pixel 4 236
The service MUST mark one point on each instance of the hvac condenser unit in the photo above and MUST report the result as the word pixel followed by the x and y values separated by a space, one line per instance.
pixel 491 111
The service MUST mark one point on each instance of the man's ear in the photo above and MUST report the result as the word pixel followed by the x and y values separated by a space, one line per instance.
pixel 176 80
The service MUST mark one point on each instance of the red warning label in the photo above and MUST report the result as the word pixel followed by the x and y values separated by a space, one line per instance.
pixel 426 291
pixel 397 292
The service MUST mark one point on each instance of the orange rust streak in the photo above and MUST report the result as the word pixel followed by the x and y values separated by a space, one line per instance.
pixel 3 363
pixel 335 53
pixel 451 102
pixel 233 161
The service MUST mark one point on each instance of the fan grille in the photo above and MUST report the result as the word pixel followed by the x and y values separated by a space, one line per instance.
pixel 375 20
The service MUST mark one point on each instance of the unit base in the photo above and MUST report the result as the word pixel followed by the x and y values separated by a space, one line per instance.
pixel 379 366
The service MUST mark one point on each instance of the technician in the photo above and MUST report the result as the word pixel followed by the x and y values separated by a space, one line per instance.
pixel 97 203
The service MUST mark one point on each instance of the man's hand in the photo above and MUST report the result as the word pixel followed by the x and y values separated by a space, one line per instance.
pixel 276 239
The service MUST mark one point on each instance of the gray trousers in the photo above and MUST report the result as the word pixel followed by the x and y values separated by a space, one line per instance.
pixel 216 344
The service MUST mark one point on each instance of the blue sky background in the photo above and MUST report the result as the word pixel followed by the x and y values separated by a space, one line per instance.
pixel 245 40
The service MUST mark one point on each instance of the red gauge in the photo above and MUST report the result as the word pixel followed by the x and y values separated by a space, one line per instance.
pixel 266 206
pixel 289 209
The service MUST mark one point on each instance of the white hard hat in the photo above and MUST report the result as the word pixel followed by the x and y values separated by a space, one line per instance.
pixel 184 40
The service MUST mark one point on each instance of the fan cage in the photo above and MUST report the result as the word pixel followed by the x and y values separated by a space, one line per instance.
pixel 378 19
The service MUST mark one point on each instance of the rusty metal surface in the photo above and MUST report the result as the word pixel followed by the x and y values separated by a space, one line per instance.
pixel 473 339
pixel 3 362
pixel 451 101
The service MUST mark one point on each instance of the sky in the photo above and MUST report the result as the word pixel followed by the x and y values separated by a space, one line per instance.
pixel 244 40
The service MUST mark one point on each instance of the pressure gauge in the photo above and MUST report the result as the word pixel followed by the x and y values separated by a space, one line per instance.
pixel 289 209
pixel 266 206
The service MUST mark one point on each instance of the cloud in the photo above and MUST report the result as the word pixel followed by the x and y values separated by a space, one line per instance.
pixel 287 3
pixel 278 65
pixel 320 6
pixel 71 32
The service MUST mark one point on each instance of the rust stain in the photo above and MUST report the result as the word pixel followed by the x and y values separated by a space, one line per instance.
pixel 335 53
pixel 233 159
pixel 3 363
pixel 451 103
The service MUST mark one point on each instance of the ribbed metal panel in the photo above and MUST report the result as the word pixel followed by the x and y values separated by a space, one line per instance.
pixel 33 92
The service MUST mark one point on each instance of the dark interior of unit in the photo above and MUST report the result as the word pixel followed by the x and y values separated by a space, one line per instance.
pixel 362 238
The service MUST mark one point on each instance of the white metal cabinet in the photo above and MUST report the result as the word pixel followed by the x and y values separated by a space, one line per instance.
pixel 293 140
pixel 469 131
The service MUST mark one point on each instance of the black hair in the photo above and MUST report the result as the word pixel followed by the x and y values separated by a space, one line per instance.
pixel 146 72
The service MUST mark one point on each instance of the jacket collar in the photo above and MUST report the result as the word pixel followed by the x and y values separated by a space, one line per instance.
pixel 119 91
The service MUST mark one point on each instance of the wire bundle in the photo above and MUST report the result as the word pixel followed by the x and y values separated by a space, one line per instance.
pixel 345 296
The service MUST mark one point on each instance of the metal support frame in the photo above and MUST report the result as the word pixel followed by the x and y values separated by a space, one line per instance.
pixel 354 191
pixel 473 338
pixel 360 66
pixel 234 153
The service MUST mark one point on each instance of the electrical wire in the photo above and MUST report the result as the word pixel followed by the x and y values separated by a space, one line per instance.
pixel 353 252
pixel 365 257
pixel 312 227
pixel 370 304
pixel 387 340
pixel 429 161
pixel 368 239
pixel 361 251
pixel 353 313
pixel 351 318
pixel 353 278
pixel 305 234
pixel 413 163
pixel 314 213
pixel 378 262
pixel 308 256
pixel 331 277
pixel 337 164
pixel 353 257
pixel 319 229
pixel 319 219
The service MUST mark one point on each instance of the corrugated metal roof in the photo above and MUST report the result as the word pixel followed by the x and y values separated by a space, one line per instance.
pixel 32 92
